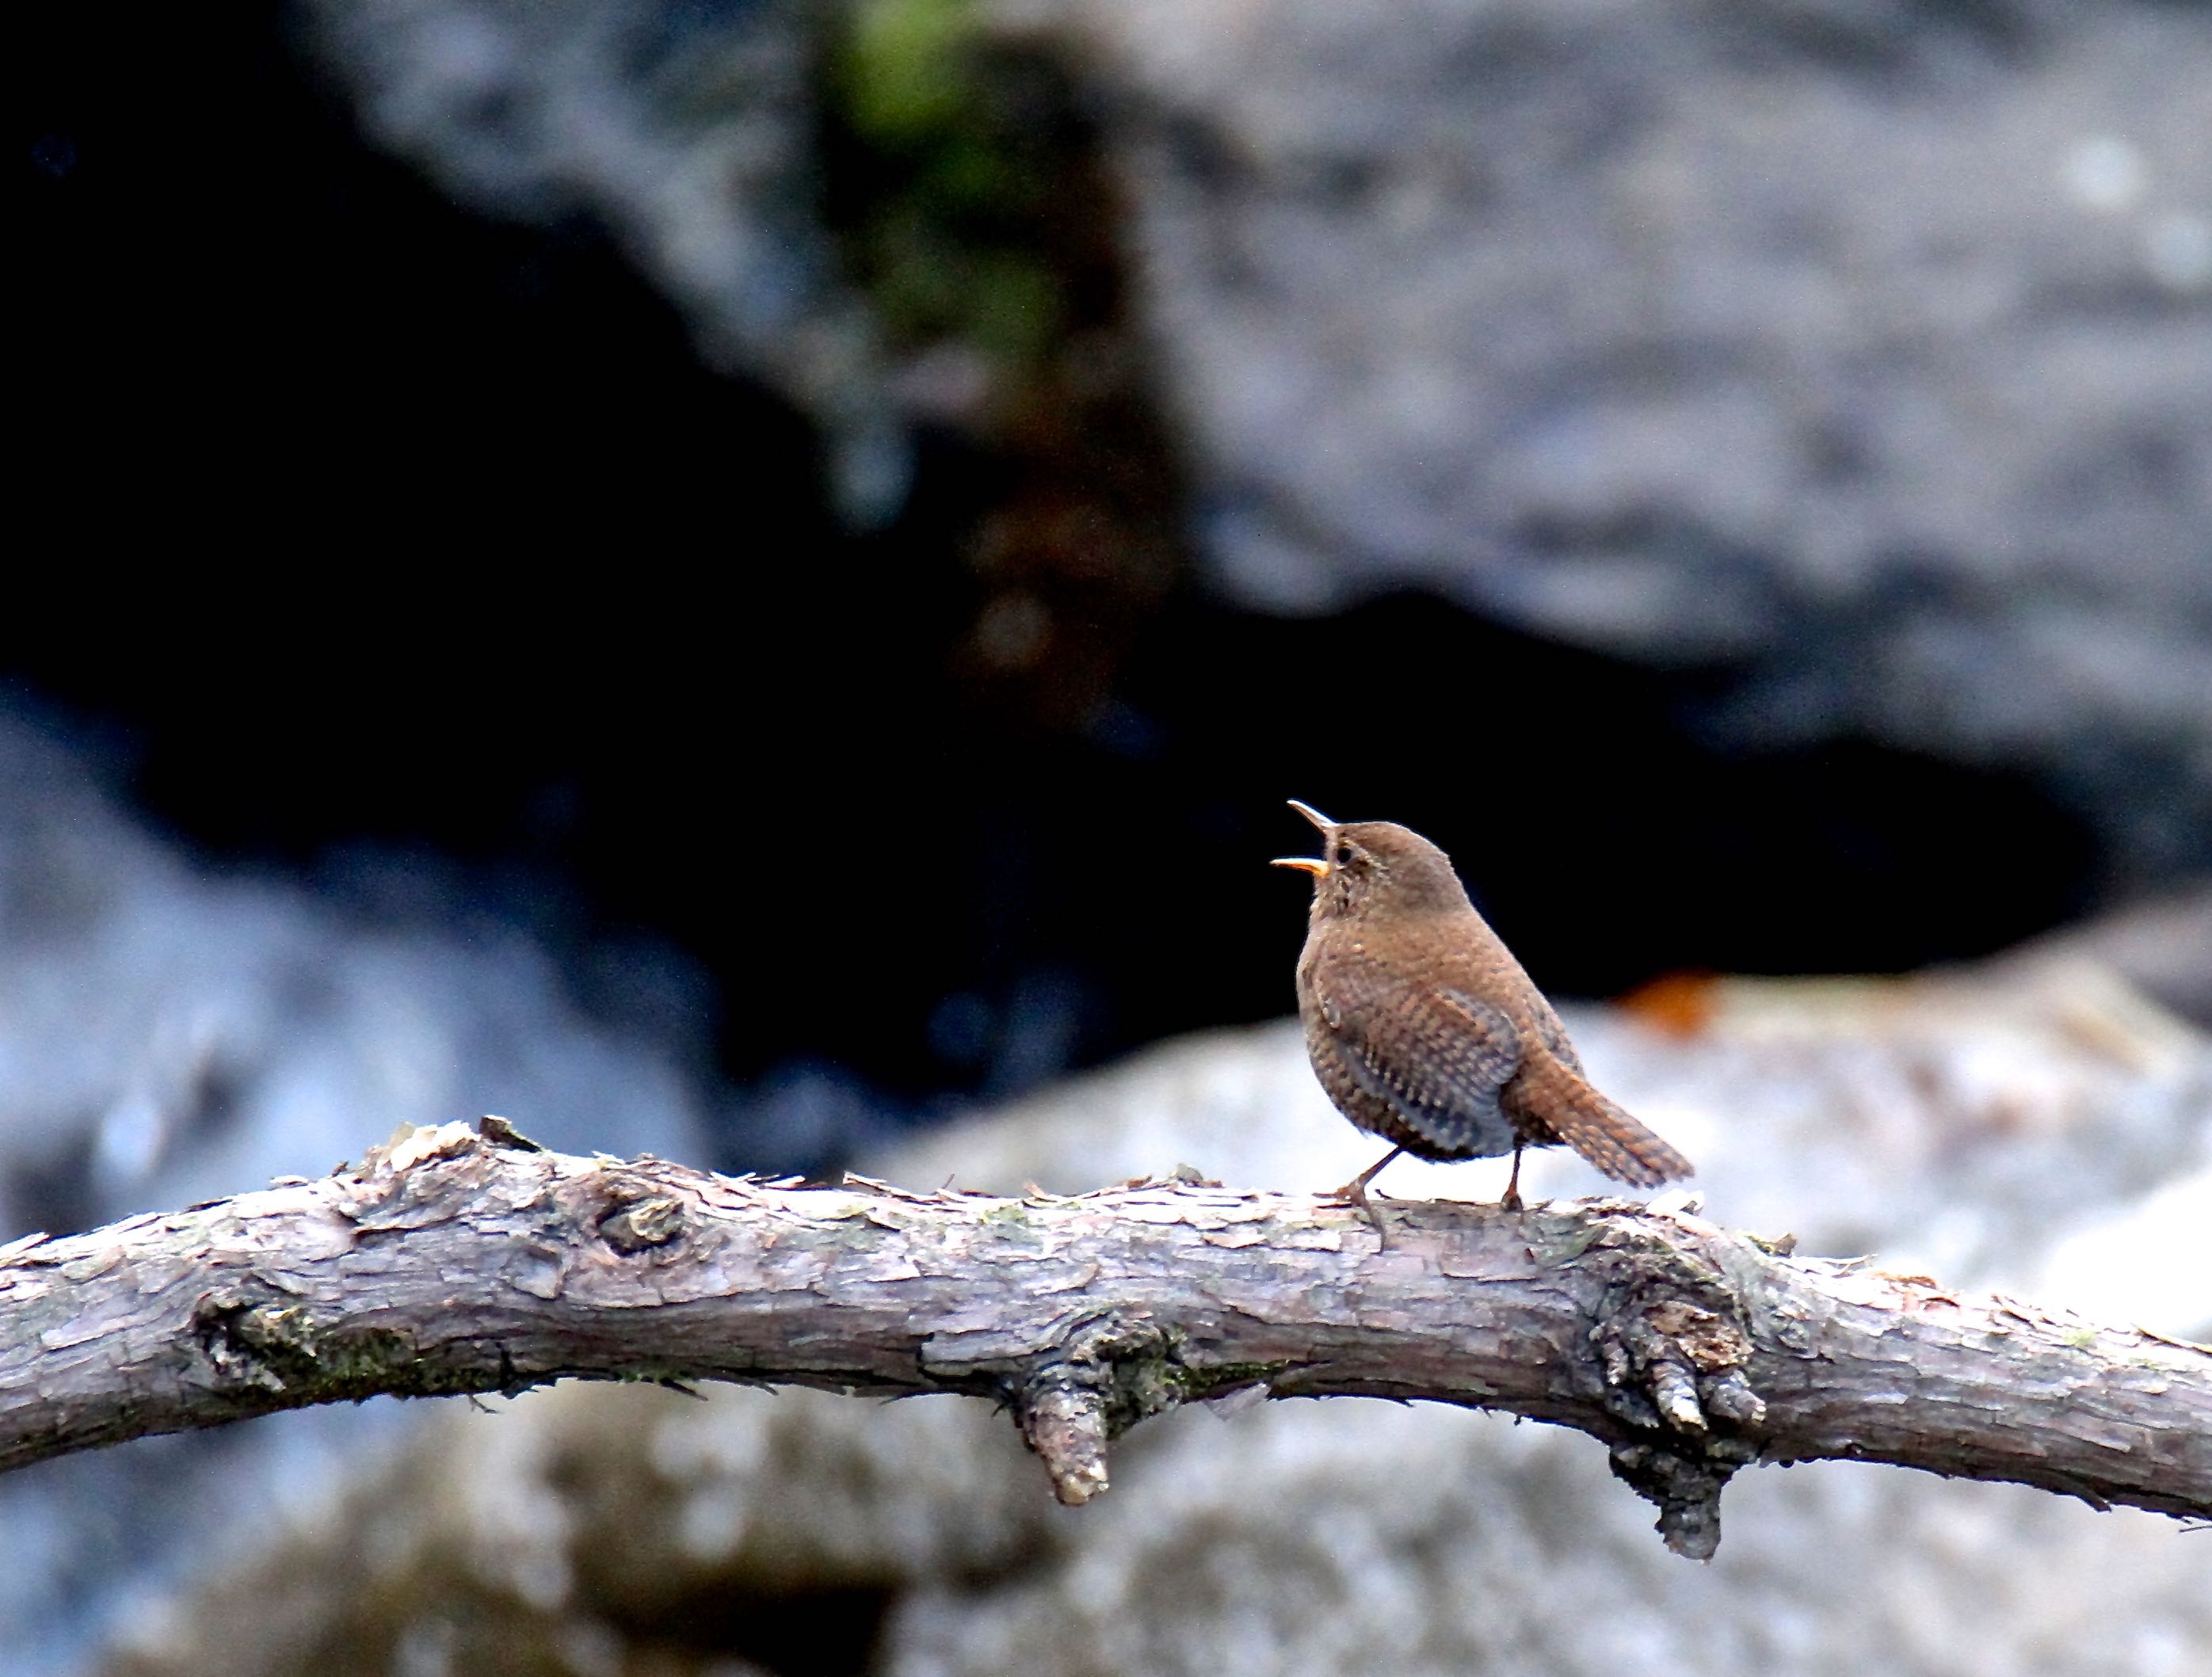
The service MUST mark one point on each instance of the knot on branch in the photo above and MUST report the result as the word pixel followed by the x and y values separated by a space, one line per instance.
pixel 639 1225
pixel 1669 1362
pixel 1097 1385
pixel 1686 1489
pixel 1674 1368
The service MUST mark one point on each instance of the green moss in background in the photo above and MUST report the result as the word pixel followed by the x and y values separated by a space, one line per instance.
pixel 944 161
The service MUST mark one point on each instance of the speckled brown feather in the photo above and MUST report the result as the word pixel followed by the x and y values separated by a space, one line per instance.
pixel 1425 1031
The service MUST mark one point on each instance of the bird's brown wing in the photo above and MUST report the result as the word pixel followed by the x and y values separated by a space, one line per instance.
pixel 1436 1056
pixel 1553 1035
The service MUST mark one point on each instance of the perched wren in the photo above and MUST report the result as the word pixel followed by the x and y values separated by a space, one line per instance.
pixel 1425 1031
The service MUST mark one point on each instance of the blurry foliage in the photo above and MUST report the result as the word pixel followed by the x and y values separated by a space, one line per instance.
pixel 949 191
pixel 976 215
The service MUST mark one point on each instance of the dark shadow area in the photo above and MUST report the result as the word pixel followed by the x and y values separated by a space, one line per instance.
pixel 878 877
pixel 363 523
pixel 820 1632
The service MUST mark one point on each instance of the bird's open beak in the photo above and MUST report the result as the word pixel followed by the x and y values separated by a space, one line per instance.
pixel 1312 864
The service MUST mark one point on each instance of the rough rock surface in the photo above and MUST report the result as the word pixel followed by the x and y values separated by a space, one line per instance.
pixel 1989 1122
pixel 1860 347
pixel 2163 948
pixel 168 1035
pixel 1857 348
pixel 686 129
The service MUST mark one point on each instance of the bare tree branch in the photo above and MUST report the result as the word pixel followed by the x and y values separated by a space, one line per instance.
pixel 454 1260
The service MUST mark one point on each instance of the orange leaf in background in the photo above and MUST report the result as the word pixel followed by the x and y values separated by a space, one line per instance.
pixel 1681 1004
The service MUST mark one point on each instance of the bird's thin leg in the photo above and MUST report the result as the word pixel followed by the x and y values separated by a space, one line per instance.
pixel 1354 1193
pixel 1512 1200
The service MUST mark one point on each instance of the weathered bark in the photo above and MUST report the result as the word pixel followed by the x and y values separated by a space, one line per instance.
pixel 454 1261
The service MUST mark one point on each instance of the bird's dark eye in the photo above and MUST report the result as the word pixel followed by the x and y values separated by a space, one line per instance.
pixel 1343 855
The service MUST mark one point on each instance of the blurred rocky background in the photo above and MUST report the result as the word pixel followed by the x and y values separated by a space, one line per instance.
pixel 737 578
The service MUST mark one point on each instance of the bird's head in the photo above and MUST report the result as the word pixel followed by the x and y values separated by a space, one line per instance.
pixel 1376 867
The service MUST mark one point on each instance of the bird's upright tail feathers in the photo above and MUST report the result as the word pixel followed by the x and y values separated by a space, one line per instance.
pixel 1595 1128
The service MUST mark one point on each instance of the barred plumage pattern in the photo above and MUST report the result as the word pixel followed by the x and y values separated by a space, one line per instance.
pixel 1425 1031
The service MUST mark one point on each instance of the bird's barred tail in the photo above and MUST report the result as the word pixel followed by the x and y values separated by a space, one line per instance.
pixel 1596 1128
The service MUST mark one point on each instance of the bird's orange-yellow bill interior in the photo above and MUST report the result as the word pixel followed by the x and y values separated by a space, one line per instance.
pixel 1313 865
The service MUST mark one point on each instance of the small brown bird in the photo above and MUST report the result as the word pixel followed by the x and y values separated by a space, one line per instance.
pixel 1424 1028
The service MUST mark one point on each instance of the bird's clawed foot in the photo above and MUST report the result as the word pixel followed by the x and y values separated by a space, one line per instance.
pixel 1354 1193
